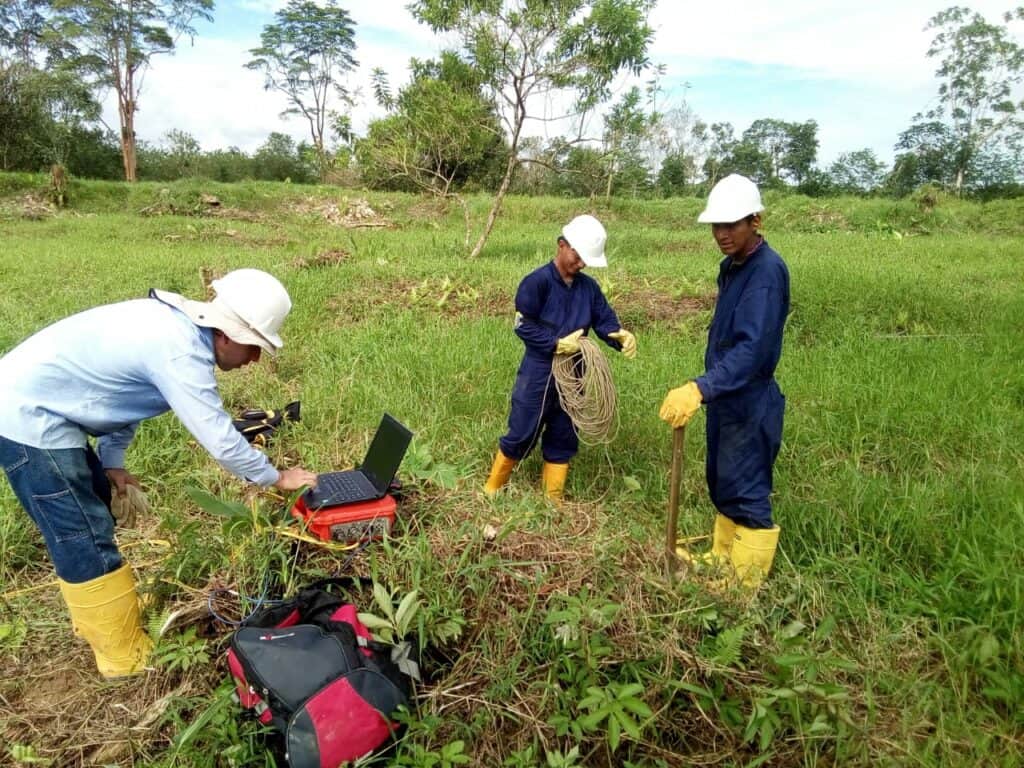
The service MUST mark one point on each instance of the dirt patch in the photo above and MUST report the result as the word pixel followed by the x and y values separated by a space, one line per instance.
pixel 429 209
pixel 326 258
pixel 649 305
pixel 344 213
pixel 32 207
pixel 225 235
pixel 637 307
pixel 204 205
pixel 440 296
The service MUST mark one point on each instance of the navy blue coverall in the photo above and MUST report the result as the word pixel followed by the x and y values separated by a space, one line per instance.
pixel 743 401
pixel 548 309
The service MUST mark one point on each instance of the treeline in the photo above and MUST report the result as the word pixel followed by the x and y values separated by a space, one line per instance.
pixel 458 124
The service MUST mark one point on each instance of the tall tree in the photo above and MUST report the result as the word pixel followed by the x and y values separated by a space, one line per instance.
pixel 980 71
pixel 925 154
pixel 442 132
pixel 858 172
pixel 626 127
pixel 720 140
pixel 773 151
pixel 537 48
pixel 116 41
pixel 305 56
pixel 24 27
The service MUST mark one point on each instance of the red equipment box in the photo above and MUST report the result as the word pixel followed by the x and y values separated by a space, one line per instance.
pixel 350 522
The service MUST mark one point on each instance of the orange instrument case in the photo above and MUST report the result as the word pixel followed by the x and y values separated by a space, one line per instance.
pixel 362 521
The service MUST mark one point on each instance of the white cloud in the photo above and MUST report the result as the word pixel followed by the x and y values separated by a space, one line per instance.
pixel 873 48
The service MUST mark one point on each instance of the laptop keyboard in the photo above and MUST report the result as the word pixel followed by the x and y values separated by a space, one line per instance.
pixel 341 487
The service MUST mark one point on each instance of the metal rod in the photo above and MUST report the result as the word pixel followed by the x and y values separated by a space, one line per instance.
pixel 675 480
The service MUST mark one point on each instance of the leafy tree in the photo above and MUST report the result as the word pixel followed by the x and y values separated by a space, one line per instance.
pixel 115 43
pixel 858 172
pixel 675 174
pixel 720 140
pixel 96 153
pixel 925 154
pixel 227 165
pixel 21 118
pixel 626 128
pixel 584 172
pixel 535 48
pixel 41 113
pixel 24 28
pixel 183 154
pixel 801 150
pixel 442 132
pixel 680 142
pixel 279 159
pixel 304 56
pixel 773 151
pixel 980 70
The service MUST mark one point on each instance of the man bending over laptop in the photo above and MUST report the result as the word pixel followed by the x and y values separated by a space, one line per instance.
pixel 98 374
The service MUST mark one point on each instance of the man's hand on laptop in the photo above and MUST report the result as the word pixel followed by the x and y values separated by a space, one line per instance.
pixel 294 478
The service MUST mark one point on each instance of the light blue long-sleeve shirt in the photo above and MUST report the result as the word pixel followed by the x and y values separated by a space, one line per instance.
pixel 104 370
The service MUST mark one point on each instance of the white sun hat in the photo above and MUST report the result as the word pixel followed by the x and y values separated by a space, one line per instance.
pixel 250 308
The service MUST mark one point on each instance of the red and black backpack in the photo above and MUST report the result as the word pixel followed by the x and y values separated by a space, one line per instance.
pixel 309 668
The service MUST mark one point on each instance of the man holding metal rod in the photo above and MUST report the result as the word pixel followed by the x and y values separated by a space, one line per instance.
pixel 744 404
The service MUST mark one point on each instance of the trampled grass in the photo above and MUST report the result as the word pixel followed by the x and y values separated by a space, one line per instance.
pixel 889 632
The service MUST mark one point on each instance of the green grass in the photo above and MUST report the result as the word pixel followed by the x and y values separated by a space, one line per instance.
pixel 888 634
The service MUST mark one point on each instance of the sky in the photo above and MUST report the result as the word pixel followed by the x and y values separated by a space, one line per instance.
pixel 857 67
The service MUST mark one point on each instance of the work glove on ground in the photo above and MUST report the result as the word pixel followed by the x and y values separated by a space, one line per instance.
pixel 569 345
pixel 258 425
pixel 627 340
pixel 680 404
pixel 127 505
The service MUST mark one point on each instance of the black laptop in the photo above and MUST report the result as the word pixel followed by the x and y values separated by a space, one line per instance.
pixel 371 479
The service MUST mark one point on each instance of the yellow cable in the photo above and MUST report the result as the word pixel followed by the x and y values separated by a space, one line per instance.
pixel 332 545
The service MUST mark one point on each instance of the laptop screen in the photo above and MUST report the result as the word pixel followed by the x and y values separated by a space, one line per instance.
pixel 385 453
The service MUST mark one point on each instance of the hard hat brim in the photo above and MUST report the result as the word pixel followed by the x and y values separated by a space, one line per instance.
pixel 209 314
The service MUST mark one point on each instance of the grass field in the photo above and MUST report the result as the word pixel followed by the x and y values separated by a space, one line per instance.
pixel 890 631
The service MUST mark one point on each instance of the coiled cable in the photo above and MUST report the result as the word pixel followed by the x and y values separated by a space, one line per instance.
pixel 587 392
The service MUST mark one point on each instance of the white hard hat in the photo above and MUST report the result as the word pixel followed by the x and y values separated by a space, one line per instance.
pixel 733 198
pixel 586 235
pixel 250 307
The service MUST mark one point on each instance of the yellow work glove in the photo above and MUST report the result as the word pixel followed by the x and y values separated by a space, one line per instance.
pixel 680 404
pixel 127 506
pixel 569 345
pixel 627 340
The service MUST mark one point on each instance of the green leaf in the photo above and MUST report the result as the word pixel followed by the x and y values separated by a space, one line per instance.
pixel 630 690
pixel 373 621
pixel 631 483
pixel 406 612
pixel 629 725
pixel 637 707
pixel 383 599
pixel 593 720
pixel 793 629
pixel 216 506
pixel 703 692
pixel 614 732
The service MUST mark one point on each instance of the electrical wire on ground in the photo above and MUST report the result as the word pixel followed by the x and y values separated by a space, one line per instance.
pixel 587 392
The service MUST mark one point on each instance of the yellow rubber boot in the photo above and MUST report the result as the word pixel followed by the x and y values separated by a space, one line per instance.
pixel 500 472
pixel 553 481
pixel 105 612
pixel 753 551
pixel 721 544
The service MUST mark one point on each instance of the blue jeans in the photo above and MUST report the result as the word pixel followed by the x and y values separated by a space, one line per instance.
pixel 67 495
